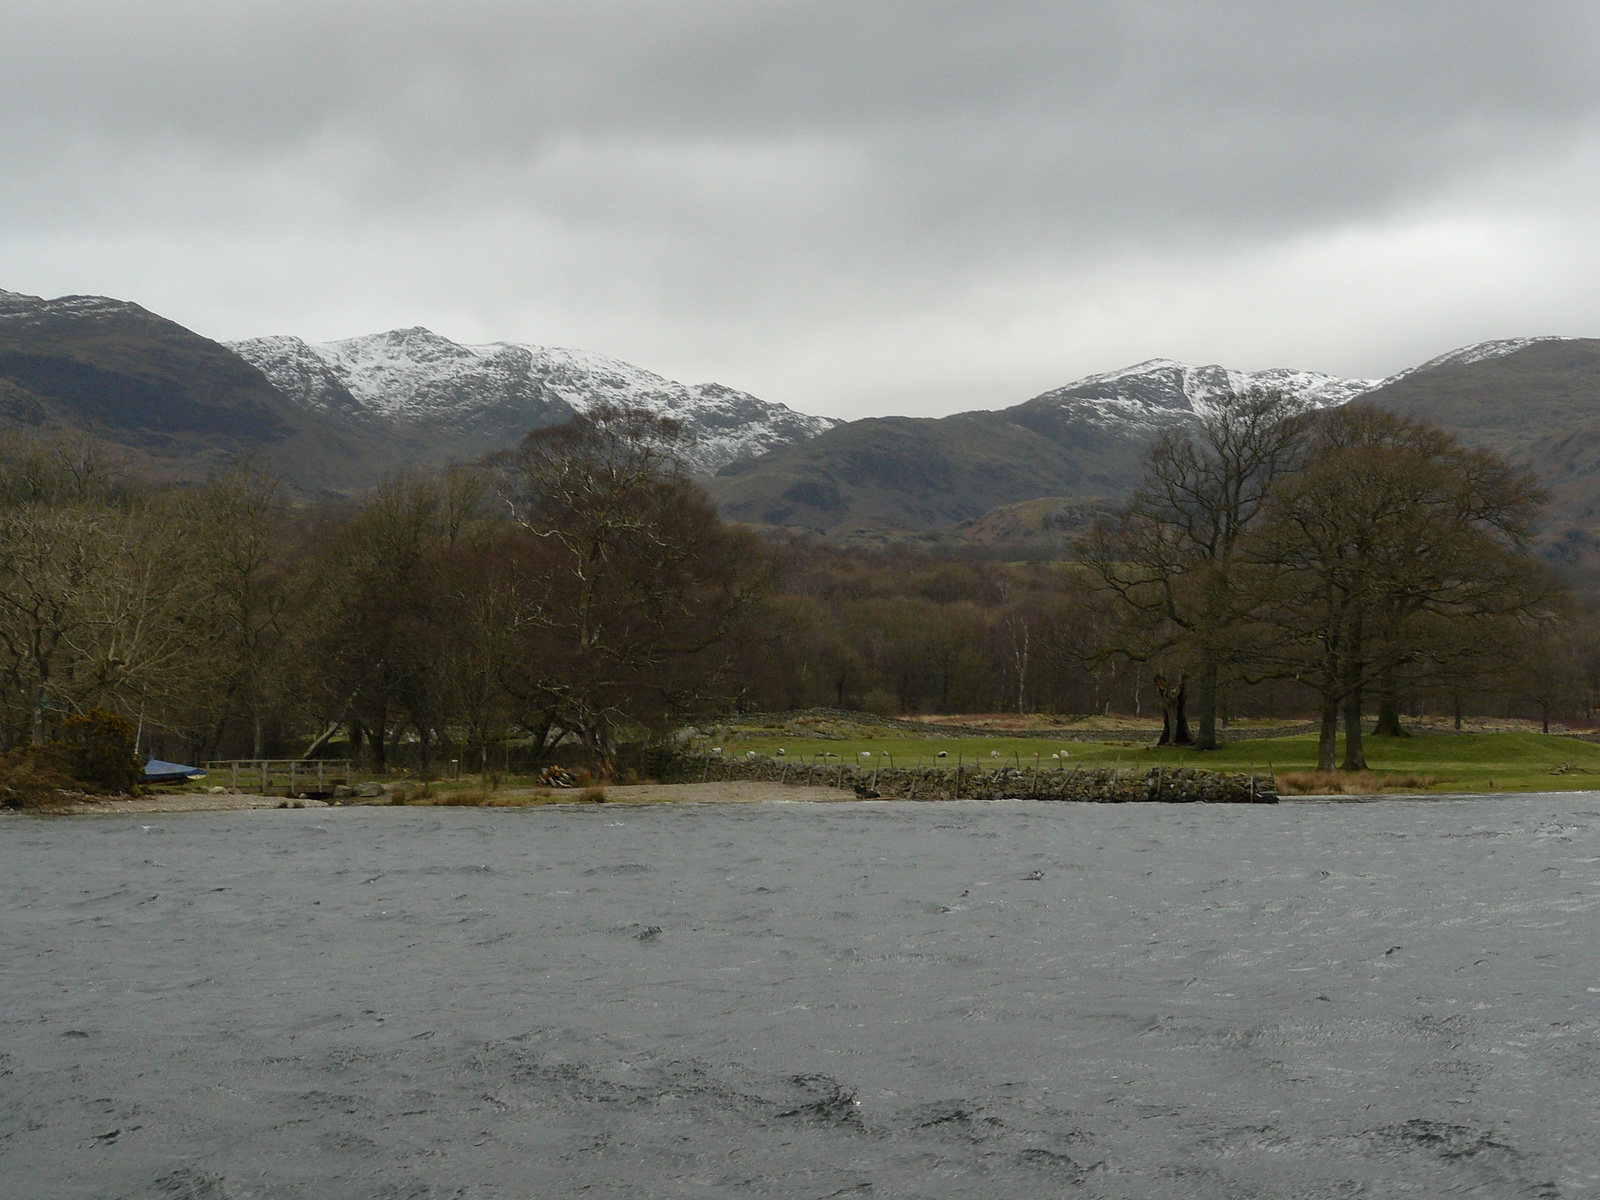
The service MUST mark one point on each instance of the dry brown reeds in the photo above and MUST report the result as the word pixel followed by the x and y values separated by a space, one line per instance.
pixel 467 799
pixel 1350 783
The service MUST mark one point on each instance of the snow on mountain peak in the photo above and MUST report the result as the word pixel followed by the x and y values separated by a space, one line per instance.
pixel 1476 353
pixel 1156 393
pixel 416 379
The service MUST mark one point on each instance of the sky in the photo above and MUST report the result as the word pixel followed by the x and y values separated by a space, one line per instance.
pixel 853 208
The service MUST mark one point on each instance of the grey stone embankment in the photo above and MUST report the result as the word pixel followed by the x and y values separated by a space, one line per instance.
pixel 1096 785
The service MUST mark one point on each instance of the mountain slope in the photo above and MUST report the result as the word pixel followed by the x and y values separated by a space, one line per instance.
pixel 1150 396
pixel 1080 441
pixel 180 401
pixel 893 473
pixel 1507 395
pixel 461 401
pixel 1535 400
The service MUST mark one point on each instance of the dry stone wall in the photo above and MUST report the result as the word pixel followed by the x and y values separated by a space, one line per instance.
pixel 1097 785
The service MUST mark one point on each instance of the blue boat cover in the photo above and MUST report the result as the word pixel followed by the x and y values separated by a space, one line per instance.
pixel 156 771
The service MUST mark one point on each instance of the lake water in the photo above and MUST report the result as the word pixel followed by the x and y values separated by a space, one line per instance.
pixel 804 1000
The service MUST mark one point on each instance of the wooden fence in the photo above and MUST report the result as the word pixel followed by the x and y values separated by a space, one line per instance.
pixel 294 775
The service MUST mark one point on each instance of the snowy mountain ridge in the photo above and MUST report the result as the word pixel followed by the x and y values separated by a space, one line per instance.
pixel 478 397
pixel 1160 392
pixel 1476 353
pixel 414 380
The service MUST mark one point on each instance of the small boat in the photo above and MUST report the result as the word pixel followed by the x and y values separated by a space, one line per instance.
pixel 156 771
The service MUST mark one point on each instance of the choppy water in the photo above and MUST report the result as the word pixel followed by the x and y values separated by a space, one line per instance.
pixel 802 1000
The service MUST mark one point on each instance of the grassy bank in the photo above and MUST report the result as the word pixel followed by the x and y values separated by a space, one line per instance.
pixel 1481 762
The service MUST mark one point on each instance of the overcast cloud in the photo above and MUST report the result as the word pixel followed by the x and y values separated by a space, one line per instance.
pixel 853 207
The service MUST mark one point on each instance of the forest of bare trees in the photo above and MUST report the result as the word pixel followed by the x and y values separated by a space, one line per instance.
pixel 580 590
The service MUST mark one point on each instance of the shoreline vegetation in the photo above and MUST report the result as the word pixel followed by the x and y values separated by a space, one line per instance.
pixel 571 610
pixel 1503 757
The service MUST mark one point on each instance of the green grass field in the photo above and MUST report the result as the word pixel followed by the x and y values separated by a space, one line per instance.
pixel 1480 762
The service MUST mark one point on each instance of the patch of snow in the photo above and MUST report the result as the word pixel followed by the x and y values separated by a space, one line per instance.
pixel 1161 392
pixel 14 305
pixel 416 379
pixel 1475 353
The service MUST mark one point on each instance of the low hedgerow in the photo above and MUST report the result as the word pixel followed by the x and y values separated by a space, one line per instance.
pixel 98 746
pixel 94 754
pixel 31 776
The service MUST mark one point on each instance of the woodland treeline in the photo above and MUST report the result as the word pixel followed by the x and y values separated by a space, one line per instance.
pixel 580 591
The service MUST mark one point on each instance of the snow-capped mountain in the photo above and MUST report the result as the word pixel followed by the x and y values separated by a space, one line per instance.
pixel 23 309
pixel 1160 392
pixel 1475 353
pixel 415 381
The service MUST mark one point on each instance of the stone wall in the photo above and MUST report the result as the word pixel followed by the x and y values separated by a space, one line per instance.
pixel 1096 785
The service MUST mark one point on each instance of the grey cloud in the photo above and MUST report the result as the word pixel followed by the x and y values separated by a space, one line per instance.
pixel 767 166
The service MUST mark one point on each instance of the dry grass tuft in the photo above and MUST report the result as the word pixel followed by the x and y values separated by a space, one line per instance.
pixel 592 795
pixel 1355 783
pixel 463 799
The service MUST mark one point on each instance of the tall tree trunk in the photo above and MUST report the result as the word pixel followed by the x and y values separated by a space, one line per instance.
pixel 1019 656
pixel 1328 734
pixel 1355 758
pixel 378 736
pixel 36 730
pixel 1174 711
pixel 1389 709
pixel 1205 704
pixel 1180 715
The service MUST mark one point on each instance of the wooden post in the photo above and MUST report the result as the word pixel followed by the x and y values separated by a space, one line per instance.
pixel 262 763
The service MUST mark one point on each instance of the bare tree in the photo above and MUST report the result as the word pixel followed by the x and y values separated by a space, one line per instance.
pixel 629 579
pixel 1171 556
pixel 1391 538
pixel 51 561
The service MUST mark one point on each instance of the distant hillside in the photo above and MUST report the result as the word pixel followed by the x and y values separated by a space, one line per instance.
pixel 1047 519
pixel 334 417
pixel 445 401
pixel 182 403
pixel 900 473
pixel 1535 400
